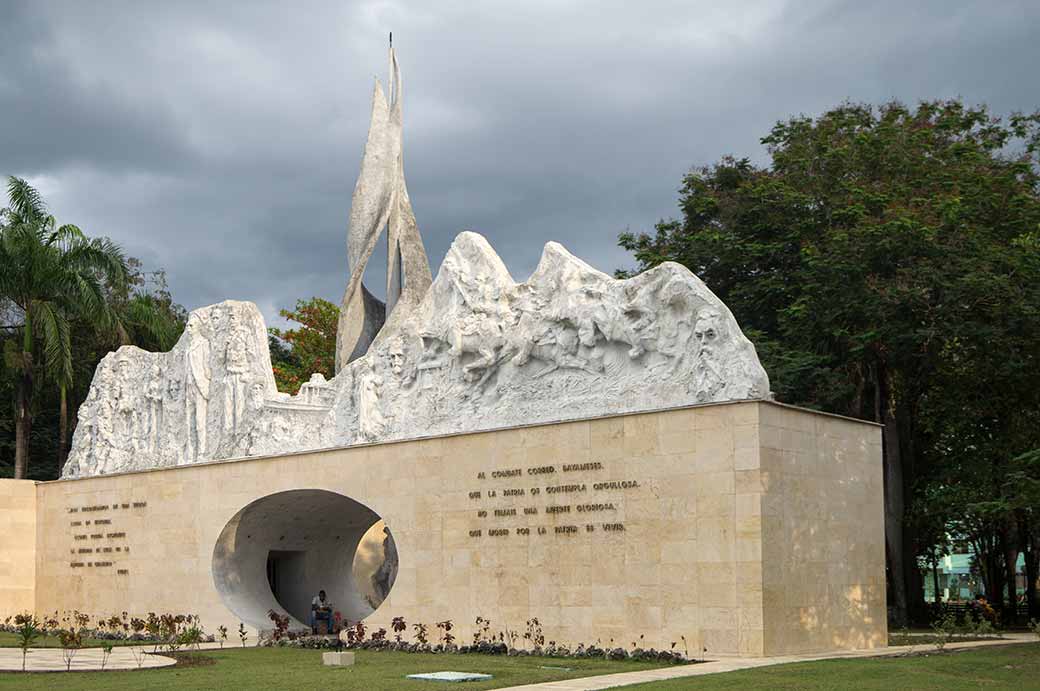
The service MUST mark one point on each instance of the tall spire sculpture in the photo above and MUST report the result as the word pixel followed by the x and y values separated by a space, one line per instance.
pixel 381 202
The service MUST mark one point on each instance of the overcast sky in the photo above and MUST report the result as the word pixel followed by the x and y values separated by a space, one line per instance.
pixel 221 140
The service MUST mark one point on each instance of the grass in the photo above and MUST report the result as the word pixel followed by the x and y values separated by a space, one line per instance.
pixel 1003 667
pixel 258 669
pixel 10 640
pixel 999 667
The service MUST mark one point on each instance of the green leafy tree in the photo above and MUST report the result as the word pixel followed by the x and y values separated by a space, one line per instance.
pixel 885 264
pixel 53 275
pixel 144 315
pixel 138 309
pixel 298 353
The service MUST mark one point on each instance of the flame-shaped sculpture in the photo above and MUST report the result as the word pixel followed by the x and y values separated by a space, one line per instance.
pixel 381 201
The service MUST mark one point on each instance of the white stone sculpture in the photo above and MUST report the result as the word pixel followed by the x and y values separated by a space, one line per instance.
pixel 147 410
pixel 198 380
pixel 381 202
pixel 479 351
pixel 472 350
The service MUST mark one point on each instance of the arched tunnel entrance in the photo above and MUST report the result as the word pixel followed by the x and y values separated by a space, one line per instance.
pixel 280 550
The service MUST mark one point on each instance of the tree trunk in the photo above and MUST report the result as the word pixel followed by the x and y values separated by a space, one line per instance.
pixel 23 412
pixel 935 579
pixel 63 430
pixel 995 588
pixel 1010 559
pixel 22 427
pixel 894 502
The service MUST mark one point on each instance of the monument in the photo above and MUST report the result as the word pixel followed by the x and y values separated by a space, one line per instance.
pixel 601 454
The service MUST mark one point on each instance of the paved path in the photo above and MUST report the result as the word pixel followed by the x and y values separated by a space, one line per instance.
pixel 85 660
pixel 89 659
pixel 610 681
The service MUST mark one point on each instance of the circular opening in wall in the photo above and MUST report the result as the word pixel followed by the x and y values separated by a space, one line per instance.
pixel 280 550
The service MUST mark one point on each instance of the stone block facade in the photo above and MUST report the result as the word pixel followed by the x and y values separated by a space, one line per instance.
pixel 746 528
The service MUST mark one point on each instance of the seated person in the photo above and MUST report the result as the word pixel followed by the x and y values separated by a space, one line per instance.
pixel 321 609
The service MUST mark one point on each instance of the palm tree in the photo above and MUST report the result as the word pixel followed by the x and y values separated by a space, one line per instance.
pixel 53 274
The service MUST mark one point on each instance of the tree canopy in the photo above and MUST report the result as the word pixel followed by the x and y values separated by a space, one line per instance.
pixel 887 266
pixel 298 353
pixel 67 299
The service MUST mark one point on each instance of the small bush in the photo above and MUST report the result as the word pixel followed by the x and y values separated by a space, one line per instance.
pixel 945 628
pixel 27 626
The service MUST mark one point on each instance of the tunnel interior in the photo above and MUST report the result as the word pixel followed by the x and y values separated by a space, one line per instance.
pixel 280 550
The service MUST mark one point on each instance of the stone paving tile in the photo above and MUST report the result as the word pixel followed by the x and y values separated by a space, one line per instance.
pixel 87 659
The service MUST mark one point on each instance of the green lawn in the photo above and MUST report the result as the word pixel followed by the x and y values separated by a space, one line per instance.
pixel 1000 667
pixel 257 669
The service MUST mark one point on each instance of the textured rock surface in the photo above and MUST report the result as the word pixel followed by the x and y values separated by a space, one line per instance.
pixel 193 403
pixel 479 351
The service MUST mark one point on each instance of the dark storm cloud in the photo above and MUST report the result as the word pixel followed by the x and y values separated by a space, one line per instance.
pixel 221 140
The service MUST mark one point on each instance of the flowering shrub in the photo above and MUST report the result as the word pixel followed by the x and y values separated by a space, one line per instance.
pixel 158 629
pixel 281 624
pixel 399 626
pixel 446 637
pixel 484 643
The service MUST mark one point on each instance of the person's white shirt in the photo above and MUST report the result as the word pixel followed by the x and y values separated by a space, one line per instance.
pixel 318 602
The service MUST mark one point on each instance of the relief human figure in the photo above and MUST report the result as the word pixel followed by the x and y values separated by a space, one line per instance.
pixel 173 389
pixel 196 389
pixel 384 576
pixel 400 364
pixel 436 354
pixel 256 396
pixel 481 336
pixel 591 311
pixel 153 393
pixel 558 346
pixel 104 415
pixel 105 441
pixel 236 358
pixel 88 415
pixel 709 334
pixel 126 402
pixel 371 421
pixel 218 320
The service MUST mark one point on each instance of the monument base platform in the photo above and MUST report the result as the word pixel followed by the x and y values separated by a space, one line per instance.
pixel 748 528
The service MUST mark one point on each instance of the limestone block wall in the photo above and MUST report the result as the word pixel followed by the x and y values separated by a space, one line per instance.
pixel 747 528
pixel 17 547
pixel 823 534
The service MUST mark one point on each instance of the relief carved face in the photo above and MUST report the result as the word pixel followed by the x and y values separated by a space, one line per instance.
pixel 194 327
pixel 219 318
pixel 256 395
pixel 708 332
pixel 395 354
pixel 123 367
